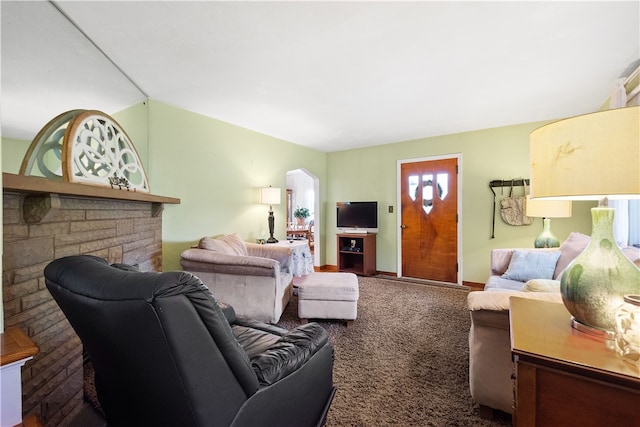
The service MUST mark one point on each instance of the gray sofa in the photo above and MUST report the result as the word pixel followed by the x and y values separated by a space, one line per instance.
pixel 254 279
pixel 490 364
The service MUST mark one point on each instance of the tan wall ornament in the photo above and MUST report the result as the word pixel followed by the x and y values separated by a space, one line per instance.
pixel 87 147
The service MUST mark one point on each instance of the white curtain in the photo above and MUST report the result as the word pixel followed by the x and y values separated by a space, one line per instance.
pixel 620 221
pixel 618 97
pixel 634 222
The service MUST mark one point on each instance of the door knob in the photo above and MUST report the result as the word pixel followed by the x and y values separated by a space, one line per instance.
pixel 403 226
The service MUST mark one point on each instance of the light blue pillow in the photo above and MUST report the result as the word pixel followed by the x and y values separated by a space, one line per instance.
pixel 527 265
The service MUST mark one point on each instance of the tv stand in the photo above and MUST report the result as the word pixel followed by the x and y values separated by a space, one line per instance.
pixel 357 253
pixel 356 231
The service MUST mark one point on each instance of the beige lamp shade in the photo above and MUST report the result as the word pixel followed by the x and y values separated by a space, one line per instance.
pixel 592 157
pixel 541 208
pixel 270 196
pixel 588 157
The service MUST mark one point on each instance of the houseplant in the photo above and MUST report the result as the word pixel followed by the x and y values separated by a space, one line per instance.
pixel 301 214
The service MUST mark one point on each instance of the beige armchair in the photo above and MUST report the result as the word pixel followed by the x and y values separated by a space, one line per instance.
pixel 252 278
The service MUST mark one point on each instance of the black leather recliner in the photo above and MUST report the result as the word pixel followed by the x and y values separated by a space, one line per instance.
pixel 165 353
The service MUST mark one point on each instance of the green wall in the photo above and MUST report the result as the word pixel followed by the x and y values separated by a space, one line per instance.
pixel 500 153
pixel 216 169
pixel 12 154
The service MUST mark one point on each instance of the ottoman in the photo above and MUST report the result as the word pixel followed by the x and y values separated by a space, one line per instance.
pixel 328 296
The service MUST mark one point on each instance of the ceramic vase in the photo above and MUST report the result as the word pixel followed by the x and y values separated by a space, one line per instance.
pixel 546 239
pixel 593 286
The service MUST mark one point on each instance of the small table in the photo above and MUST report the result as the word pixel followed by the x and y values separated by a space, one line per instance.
pixel 301 262
pixel 299 232
pixel 565 377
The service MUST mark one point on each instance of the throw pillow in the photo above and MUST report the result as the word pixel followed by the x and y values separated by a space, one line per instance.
pixel 633 254
pixel 541 285
pixel 236 244
pixel 217 245
pixel 569 249
pixel 527 265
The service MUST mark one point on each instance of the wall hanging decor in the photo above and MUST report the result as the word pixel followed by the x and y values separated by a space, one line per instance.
pixel 512 207
pixel 88 147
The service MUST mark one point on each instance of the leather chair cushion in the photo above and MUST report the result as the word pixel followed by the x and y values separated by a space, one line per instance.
pixel 289 353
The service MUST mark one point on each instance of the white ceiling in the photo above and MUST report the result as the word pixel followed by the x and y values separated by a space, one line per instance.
pixel 328 74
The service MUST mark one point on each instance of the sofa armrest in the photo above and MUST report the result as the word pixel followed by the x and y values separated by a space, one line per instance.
pixel 203 260
pixel 281 254
pixel 498 301
pixel 289 353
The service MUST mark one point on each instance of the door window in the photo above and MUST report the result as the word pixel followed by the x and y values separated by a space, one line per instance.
pixel 428 193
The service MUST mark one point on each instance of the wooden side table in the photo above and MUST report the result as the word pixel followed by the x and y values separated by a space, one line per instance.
pixel 301 261
pixel 565 377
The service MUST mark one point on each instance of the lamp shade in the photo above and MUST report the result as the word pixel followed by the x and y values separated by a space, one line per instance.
pixel 588 157
pixel 270 196
pixel 592 157
pixel 541 208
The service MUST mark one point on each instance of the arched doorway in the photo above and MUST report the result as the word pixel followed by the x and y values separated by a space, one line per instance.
pixel 303 191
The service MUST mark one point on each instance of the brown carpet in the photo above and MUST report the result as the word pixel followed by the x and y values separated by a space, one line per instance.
pixel 404 361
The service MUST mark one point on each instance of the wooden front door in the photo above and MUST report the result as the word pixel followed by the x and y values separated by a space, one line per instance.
pixel 429 227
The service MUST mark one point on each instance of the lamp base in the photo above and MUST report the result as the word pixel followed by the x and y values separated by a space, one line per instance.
pixel 271 219
pixel 597 333
pixel 546 239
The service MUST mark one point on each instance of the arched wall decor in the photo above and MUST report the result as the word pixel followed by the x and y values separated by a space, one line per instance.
pixel 88 147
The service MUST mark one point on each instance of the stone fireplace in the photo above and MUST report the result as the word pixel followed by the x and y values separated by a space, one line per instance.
pixel 44 220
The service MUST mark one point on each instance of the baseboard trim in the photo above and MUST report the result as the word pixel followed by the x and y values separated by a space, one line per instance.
pixel 474 286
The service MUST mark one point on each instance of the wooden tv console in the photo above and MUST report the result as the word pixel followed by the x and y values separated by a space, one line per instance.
pixel 357 253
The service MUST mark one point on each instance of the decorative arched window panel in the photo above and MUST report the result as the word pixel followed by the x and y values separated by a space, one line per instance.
pixel 428 193
pixel 88 147
pixel 443 185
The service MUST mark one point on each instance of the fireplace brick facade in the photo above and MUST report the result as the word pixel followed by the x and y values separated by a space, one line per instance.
pixel 38 228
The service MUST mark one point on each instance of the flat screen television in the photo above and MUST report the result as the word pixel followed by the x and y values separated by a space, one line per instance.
pixel 357 217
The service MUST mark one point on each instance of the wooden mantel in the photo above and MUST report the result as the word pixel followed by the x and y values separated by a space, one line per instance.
pixel 34 184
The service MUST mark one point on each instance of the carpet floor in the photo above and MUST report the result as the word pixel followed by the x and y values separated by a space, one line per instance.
pixel 405 359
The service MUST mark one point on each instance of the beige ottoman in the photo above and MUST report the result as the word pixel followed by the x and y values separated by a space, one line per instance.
pixel 328 296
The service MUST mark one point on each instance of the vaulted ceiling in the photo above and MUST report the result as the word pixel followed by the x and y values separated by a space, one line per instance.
pixel 327 74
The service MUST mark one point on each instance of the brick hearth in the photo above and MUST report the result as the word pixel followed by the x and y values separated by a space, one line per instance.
pixel 38 228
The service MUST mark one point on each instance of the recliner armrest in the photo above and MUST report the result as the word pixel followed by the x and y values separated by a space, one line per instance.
pixel 260 326
pixel 289 353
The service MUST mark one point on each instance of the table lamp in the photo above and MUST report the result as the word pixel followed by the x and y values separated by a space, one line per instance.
pixel 547 209
pixel 592 157
pixel 270 196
